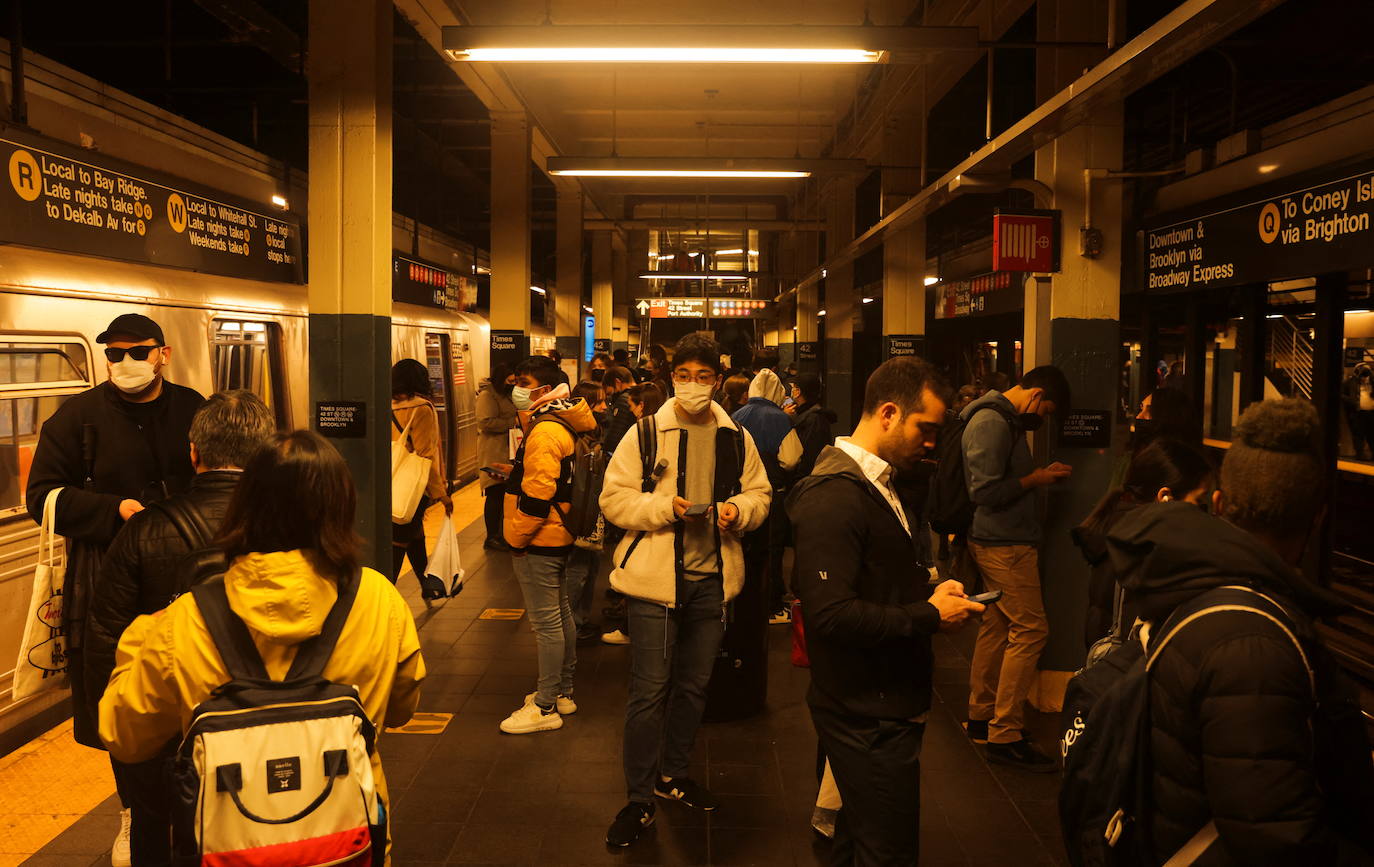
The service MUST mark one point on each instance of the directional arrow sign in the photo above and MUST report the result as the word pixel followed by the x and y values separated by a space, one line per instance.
pixel 642 307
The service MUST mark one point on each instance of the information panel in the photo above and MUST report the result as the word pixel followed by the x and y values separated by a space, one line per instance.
pixel 986 295
pixel 1297 233
pixel 416 282
pixel 66 198
pixel 903 344
pixel 1087 429
pixel 341 419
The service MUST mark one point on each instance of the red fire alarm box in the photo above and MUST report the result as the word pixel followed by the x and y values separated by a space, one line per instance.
pixel 1025 241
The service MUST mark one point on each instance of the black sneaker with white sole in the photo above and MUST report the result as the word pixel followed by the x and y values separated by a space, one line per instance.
pixel 1021 754
pixel 629 823
pixel 689 792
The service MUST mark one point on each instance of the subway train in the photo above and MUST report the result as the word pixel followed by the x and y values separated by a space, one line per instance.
pixel 224 334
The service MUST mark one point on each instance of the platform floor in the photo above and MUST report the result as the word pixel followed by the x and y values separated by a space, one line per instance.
pixel 475 796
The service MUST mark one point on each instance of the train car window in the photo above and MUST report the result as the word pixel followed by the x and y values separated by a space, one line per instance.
pixel 249 355
pixel 37 374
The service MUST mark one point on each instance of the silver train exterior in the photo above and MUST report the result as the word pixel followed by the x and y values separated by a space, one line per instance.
pixel 224 333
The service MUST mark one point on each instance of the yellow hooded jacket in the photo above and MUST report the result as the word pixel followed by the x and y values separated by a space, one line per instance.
pixel 532 522
pixel 167 663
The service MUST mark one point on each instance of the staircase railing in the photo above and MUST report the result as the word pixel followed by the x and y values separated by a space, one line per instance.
pixel 1291 350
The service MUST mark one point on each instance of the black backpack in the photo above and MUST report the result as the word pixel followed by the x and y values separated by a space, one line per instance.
pixel 202 560
pixel 948 504
pixel 1105 798
pixel 582 476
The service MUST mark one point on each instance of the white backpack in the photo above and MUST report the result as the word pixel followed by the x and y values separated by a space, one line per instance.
pixel 277 773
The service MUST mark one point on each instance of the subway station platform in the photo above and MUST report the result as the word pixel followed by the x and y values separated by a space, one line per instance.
pixel 473 795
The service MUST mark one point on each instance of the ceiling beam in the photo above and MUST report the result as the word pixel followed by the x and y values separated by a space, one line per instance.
pixel 261 29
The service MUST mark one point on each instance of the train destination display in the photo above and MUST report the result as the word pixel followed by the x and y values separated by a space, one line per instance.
pixel 79 201
pixel 1322 227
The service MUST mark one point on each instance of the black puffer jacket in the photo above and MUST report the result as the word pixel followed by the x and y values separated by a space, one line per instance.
pixel 143 572
pixel 1232 708
pixel 813 423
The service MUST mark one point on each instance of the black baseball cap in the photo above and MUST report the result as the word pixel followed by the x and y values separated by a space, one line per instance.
pixel 134 325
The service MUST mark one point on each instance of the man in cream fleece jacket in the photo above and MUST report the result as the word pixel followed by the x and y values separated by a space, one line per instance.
pixel 679 568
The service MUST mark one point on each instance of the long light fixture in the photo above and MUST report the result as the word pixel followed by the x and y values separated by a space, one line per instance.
pixel 734 43
pixel 723 276
pixel 698 167
pixel 738 251
pixel 538 289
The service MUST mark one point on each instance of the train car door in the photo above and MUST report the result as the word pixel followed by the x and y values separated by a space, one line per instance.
pixel 464 406
pixel 248 355
pixel 437 361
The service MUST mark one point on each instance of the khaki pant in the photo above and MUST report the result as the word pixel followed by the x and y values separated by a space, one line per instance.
pixel 1013 632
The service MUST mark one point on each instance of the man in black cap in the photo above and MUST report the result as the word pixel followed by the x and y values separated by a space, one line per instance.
pixel 111 450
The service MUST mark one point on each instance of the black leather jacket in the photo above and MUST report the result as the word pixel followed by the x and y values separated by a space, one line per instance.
pixel 141 572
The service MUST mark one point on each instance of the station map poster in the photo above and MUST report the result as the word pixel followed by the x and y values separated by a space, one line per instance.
pixel 1276 235
pixel 61 197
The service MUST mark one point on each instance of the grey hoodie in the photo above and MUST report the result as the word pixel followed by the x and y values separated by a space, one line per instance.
pixel 996 458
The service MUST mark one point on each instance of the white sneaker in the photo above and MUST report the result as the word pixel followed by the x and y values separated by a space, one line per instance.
pixel 529 718
pixel 565 705
pixel 617 637
pixel 781 617
pixel 120 855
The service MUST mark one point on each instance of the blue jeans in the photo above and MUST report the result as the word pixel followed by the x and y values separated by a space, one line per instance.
pixel 583 566
pixel 672 652
pixel 542 584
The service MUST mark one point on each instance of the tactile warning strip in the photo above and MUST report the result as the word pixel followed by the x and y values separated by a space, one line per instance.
pixel 45 787
pixel 425 724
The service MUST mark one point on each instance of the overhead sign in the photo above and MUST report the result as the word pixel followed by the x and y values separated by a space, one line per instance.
pixel 1027 241
pixel 696 308
pixel 1317 228
pixel 986 295
pixel 416 282
pixel 62 197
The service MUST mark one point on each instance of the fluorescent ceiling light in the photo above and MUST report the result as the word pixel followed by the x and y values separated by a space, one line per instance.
pixel 725 276
pixel 588 309
pixel 1274 316
pixel 868 300
pixel 723 43
pixel 539 290
pixel 698 167
pixel 1357 311
pixel 820 312
pixel 694 255
pixel 279 201
pixel 664 257
pixel 1266 169
pixel 931 281
pixel 738 251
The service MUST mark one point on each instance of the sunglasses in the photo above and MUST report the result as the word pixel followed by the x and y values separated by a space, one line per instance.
pixel 139 353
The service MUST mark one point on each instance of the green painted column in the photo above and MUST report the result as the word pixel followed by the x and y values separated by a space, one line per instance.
pixel 350 244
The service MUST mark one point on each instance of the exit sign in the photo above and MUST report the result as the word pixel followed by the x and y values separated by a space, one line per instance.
pixel 1026 241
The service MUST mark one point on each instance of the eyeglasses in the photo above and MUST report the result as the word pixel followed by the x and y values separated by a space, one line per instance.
pixel 705 377
pixel 139 353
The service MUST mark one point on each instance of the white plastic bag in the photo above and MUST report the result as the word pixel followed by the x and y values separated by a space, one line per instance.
pixel 42 662
pixel 445 562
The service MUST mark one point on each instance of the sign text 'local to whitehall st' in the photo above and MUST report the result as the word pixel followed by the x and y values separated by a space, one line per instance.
pixel 1325 226
pixel 62 197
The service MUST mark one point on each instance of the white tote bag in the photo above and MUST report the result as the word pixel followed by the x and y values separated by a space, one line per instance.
pixel 445 562
pixel 42 663
pixel 409 477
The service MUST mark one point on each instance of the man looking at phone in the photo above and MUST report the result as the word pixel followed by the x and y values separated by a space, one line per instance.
pixel 870 613
pixel 1003 542
pixel 683 507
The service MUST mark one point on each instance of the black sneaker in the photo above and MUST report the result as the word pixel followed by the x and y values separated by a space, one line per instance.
pixel 689 792
pixel 1020 754
pixel 629 822
pixel 977 730
pixel 496 545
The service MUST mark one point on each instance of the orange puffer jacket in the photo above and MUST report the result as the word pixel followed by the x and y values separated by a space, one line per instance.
pixel 532 522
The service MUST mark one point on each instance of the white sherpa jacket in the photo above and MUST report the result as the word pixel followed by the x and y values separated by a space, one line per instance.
pixel 648 560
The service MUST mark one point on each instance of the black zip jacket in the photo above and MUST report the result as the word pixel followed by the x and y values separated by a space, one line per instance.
pixel 144 570
pixel 141 453
pixel 1234 733
pixel 812 424
pixel 863 593
pixel 622 419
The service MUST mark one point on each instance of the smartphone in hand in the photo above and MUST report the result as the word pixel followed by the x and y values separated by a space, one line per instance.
pixel 986 598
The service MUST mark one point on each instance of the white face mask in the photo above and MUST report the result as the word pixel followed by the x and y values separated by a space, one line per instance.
pixel 132 377
pixel 694 396
pixel 521 397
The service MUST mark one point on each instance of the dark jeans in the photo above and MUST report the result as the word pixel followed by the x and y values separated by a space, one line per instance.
pixel 583 566
pixel 671 655
pixel 408 540
pixel 145 788
pixel 779 532
pixel 877 768
pixel 492 506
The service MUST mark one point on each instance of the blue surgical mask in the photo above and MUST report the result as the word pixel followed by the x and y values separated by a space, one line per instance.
pixel 521 397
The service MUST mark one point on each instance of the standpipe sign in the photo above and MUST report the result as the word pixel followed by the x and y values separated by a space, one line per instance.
pixel 78 201
pixel 1300 233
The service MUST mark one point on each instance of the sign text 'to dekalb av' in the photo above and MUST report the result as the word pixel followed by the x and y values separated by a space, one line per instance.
pixel 1321 227
pixel 66 198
